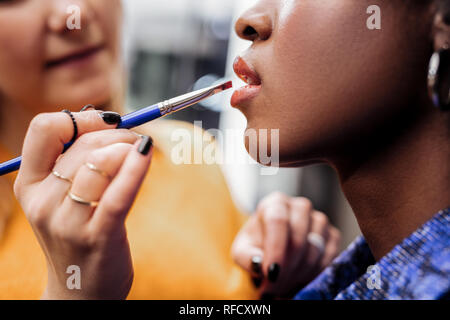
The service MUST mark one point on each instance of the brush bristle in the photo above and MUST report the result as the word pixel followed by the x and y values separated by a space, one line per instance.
pixel 227 85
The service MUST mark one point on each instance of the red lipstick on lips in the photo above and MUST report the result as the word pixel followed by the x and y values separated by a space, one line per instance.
pixel 248 75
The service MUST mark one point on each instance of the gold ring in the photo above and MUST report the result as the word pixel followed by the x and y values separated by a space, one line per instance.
pixel 60 176
pixel 94 168
pixel 82 201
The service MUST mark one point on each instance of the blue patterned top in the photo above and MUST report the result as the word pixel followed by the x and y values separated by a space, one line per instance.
pixel 417 268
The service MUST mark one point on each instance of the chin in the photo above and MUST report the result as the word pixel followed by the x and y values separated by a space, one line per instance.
pixel 291 149
pixel 287 158
pixel 90 92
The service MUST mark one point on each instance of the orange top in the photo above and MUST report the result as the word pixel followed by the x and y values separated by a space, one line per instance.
pixel 180 230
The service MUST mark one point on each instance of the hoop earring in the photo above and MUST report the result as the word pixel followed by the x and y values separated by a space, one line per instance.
pixel 434 80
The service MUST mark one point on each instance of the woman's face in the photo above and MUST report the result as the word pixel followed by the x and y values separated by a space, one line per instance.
pixel 46 64
pixel 327 81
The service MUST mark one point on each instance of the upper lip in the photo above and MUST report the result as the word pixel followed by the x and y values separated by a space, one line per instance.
pixel 73 55
pixel 245 72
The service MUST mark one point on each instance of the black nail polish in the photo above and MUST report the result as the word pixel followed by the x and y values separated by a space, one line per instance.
pixel 257 281
pixel 111 117
pixel 146 145
pixel 274 271
pixel 256 266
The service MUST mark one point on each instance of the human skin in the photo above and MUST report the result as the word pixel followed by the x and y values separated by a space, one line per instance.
pixel 29 85
pixel 277 233
pixel 35 34
pixel 92 238
pixel 356 99
pixel 35 37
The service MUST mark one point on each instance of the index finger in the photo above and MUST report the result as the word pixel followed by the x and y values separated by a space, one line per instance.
pixel 46 136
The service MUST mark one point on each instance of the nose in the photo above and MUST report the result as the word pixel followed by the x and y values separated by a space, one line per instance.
pixel 65 14
pixel 254 24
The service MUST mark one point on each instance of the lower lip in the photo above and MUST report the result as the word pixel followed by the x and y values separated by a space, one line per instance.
pixel 78 62
pixel 244 94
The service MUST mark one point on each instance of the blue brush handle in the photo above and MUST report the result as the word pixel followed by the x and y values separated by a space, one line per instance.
pixel 139 117
pixel 10 166
pixel 129 121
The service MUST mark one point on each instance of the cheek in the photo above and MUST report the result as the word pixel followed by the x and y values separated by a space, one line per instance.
pixel 20 60
pixel 315 47
pixel 325 83
pixel 310 54
pixel 109 16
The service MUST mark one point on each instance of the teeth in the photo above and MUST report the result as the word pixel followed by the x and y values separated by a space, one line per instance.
pixel 252 82
pixel 249 80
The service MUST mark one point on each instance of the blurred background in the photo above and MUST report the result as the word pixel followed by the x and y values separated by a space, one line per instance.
pixel 173 47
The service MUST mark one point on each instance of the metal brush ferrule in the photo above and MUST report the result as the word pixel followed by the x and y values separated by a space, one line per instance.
pixel 176 104
pixel 165 108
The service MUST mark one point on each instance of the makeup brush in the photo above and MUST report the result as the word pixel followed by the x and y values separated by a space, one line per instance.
pixel 145 115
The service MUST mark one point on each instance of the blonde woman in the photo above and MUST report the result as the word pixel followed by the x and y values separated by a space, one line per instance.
pixel 180 220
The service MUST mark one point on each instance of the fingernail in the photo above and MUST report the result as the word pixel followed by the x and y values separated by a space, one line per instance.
pixel 111 117
pixel 146 145
pixel 274 271
pixel 257 281
pixel 256 265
